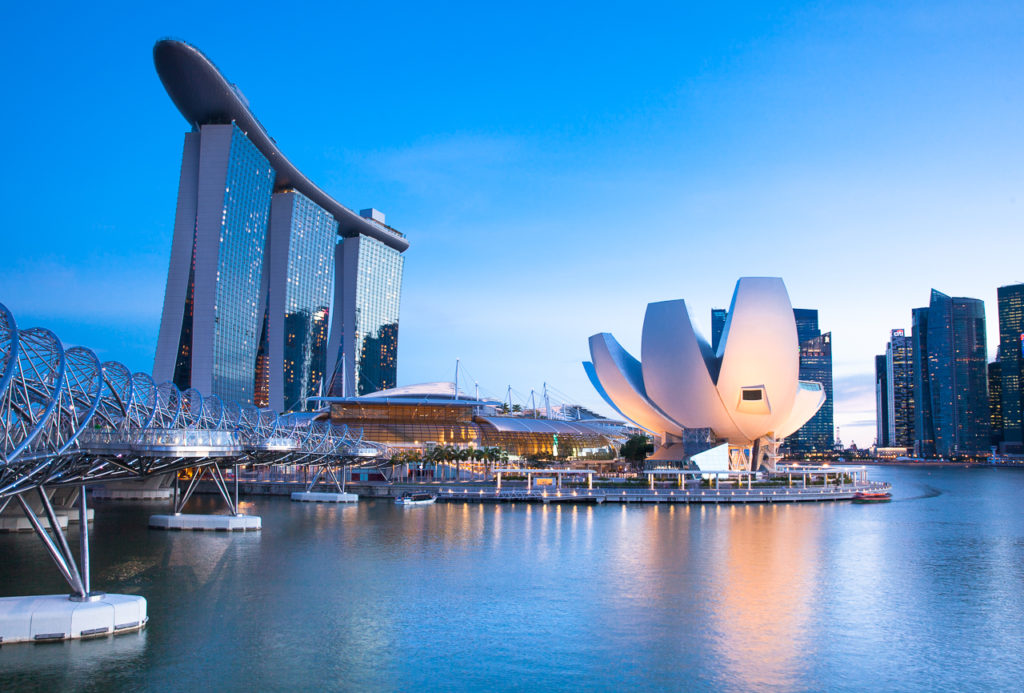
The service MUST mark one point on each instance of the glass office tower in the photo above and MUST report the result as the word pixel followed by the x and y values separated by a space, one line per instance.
pixel 1011 349
pixel 924 430
pixel 995 403
pixel 718 316
pixel 209 330
pixel 954 378
pixel 900 381
pixel 364 332
pixel 882 401
pixel 818 434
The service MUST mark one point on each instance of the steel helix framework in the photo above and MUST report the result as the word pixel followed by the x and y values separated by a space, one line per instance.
pixel 67 418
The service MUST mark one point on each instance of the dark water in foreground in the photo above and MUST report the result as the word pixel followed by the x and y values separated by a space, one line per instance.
pixel 924 593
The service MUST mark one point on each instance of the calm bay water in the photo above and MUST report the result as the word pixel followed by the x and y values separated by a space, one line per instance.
pixel 924 593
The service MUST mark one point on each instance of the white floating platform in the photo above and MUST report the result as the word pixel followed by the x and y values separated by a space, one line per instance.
pixel 314 497
pixel 214 523
pixel 73 515
pixel 19 523
pixel 52 617
pixel 128 493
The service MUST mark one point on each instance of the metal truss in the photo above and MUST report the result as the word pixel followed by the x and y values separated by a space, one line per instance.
pixel 66 418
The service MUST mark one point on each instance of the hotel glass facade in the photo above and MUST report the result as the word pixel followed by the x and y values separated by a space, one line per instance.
pixel 364 341
pixel 378 293
pixel 243 232
pixel 301 251
pixel 247 305
pixel 209 333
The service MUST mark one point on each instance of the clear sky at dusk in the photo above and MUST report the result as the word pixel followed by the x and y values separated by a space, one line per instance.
pixel 555 168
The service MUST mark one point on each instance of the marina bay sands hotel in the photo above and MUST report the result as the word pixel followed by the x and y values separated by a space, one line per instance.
pixel 248 312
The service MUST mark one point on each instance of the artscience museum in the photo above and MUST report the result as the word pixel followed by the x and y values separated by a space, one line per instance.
pixel 741 400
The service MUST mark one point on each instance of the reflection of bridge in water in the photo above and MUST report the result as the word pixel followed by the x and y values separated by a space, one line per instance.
pixel 66 419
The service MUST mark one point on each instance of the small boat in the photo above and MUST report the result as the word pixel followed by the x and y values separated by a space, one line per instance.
pixel 872 497
pixel 415 499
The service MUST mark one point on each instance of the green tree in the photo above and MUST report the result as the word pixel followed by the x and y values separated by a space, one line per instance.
pixel 636 449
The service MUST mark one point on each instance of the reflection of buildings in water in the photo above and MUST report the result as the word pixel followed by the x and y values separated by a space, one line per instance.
pixel 767 578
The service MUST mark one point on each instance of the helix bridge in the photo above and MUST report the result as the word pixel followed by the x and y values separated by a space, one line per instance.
pixel 69 420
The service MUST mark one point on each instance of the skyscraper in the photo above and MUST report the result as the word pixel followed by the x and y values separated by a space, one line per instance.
pixel 900 381
pixel 882 401
pixel 718 316
pixel 995 403
pixel 818 434
pixel 364 337
pixel 924 430
pixel 256 247
pixel 952 370
pixel 301 251
pixel 209 330
pixel 1011 348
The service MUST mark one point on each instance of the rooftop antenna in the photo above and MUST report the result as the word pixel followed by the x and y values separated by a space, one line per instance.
pixel 456 378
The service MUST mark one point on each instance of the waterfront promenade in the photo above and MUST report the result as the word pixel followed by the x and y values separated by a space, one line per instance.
pixel 784 490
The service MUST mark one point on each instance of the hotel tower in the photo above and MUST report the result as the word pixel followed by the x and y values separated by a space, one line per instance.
pixel 249 311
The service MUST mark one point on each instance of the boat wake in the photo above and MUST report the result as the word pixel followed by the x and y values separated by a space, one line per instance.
pixel 928 492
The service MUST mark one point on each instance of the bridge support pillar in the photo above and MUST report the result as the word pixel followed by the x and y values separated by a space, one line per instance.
pixel 84 613
pixel 234 522
pixel 338 496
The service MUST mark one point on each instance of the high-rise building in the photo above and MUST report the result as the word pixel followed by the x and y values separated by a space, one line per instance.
pixel 364 338
pixel 953 377
pixel 995 403
pixel 882 401
pixel 900 381
pixel 924 429
pixel 257 245
pixel 718 316
pixel 806 324
pixel 210 327
pixel 1011 363
pixel 817 435
pixel 301 251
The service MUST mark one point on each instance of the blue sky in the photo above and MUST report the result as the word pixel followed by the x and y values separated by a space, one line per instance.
pixel 556 168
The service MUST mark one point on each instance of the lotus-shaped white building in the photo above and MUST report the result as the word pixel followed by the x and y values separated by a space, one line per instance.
pixel 748 393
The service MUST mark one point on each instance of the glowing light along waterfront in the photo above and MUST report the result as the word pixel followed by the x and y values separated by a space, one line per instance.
pixel 794 597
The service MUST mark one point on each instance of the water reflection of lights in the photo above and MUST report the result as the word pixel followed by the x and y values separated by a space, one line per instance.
pixel 768 577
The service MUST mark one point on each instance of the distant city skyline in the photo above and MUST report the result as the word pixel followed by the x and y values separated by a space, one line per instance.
pixel 553 176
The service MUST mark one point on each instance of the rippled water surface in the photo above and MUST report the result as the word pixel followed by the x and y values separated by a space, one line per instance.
pixel 924 593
